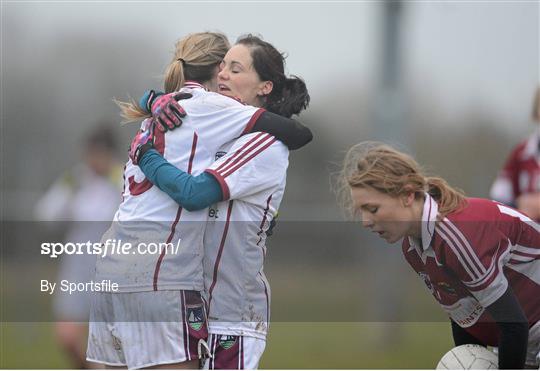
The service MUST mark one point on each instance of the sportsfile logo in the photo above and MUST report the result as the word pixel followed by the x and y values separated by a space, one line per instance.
pixel 109 247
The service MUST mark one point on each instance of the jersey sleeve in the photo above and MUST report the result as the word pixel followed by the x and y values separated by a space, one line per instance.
pixel 476 255
pixel 190 192
pixel 505 186
pixel 256 162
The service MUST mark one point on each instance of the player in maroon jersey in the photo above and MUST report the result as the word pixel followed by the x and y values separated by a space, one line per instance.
pixel 518 183
pixel 480 259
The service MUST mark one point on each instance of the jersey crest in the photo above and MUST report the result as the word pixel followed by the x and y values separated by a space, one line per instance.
pixel 444 286
pixel 227 341
pixel 195 317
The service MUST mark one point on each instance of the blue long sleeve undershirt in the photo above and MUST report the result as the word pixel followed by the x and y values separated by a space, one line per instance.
pixel 190 192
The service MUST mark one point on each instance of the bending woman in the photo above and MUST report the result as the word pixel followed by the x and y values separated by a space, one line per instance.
pixel 480 259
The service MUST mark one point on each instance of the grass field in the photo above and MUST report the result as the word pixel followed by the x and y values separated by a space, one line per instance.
pixel 290 345
pixel 323 318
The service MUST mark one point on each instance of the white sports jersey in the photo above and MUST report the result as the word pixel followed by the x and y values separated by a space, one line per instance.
pixel 252 175
pixel 148 215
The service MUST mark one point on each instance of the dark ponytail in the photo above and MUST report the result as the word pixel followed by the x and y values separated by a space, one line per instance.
pixel 291 100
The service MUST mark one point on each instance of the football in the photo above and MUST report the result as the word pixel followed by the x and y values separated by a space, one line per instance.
pixel 469 357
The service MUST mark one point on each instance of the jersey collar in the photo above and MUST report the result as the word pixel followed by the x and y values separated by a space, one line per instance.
pixel 193 84
pixel 429 218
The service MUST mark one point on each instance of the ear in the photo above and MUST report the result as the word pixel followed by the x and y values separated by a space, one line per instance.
pixel 265 88
pixel 407 199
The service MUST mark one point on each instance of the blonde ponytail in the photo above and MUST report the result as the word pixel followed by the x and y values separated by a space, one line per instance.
pixel 448 198
pixel 174 76
pixel 196 57
pixel 131 111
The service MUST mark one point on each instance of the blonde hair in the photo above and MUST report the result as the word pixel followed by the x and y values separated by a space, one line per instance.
pixel 385 169
pixel 195 58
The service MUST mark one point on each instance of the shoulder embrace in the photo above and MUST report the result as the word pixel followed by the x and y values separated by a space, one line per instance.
pixel 222 101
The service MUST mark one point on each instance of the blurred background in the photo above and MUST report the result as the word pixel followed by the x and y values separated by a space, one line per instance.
pixel 451 82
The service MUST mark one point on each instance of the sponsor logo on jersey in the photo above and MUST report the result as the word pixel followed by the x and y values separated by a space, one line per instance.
pixel 220 154
pixel 213 213
pixel 465 312
pixel 195 317
pixel 427 280
pixel 445 287
pixel 227 341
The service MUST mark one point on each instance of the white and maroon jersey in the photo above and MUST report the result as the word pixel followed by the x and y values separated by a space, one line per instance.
pixel 469 258
pixel 252 176
pixel 148 215
pixel 521 172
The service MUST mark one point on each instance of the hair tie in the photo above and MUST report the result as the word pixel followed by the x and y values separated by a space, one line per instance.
pixel 182 61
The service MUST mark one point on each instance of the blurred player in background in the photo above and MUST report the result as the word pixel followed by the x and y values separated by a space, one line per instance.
pixel 158 317
pixel 518 183
pixel 480 259
pixel 87 197
pixel 246 185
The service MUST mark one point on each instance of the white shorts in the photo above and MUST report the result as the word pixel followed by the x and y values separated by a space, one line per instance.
pixel 231 352
pixel 144 329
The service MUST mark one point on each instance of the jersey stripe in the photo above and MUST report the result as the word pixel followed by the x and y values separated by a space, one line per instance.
pixel 526 250
pixel 477 282
pixel 185 330
pixel 521 254
pixel 205 306
pixel 238 151
pixel 192 155
pixel 524 218
pixel 220 252
pixel 497 261
pixel 253 120
pixel 458 252
pixel 264 220
pixel 445 225
pixel 517 253
pixel 226 193
pixel 241 353
pixel 267 300
pixel 233 161
pixel 531 270
pixel 178 215
pixel 212 340
pixel 243 151
pixel 246 160
pixel 467 245
pixel 520 259
pixel 215 339
pixel 162 255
